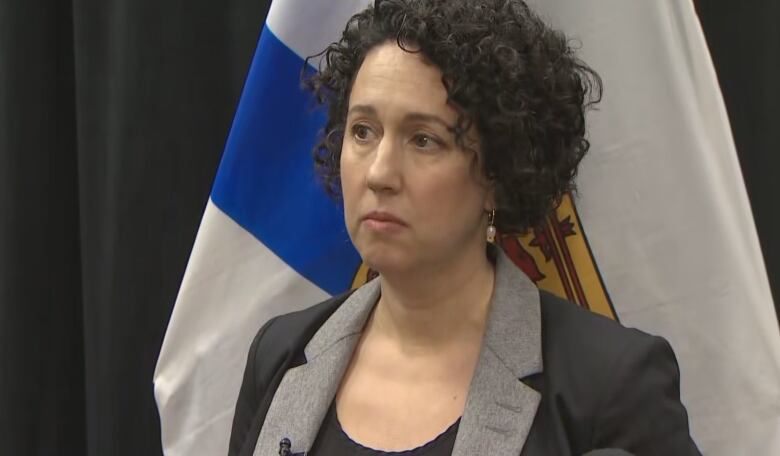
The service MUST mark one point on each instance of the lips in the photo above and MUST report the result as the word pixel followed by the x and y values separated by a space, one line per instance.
pixel 381 216
pixel 383 221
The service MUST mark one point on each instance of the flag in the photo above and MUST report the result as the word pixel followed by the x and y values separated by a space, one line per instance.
pixel 660 237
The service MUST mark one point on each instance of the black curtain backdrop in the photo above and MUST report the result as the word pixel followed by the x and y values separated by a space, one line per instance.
pixel 113 116
pixel 744 41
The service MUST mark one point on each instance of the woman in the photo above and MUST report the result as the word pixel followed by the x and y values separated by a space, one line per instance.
pixel 449 121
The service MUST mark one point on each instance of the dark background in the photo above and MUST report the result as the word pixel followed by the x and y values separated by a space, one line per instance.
pixel 113 116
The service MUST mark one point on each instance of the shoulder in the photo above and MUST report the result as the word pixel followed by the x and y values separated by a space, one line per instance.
pixel 582 351
pixel 571 329
pixel 609 385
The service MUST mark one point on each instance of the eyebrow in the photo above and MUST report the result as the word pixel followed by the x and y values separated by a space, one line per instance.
pixel 410 117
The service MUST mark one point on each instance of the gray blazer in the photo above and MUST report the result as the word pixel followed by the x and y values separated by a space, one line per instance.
pixel 297 361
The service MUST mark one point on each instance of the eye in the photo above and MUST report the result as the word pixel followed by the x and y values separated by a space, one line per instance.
pixel 361 133
pixel 424 141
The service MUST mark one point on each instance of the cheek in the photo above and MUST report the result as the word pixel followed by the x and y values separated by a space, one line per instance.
pixel 452 198
pixel 350 166
pixel 351 179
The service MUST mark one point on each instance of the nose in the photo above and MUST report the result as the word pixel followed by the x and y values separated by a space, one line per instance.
pixel 384 172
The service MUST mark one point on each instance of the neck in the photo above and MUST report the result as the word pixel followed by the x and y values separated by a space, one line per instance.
pixel 433 309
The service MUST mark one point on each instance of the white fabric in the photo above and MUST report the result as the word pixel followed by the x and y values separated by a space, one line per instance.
pixel 667 216
pixel 307 26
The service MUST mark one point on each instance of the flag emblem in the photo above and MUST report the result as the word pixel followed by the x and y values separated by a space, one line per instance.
pixel 558 259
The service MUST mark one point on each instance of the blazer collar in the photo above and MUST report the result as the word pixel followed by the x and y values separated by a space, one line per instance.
pixel 348 320
pixel 305 393
pixel 499 408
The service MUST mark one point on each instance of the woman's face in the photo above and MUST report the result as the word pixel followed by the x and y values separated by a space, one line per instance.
pixel 412 197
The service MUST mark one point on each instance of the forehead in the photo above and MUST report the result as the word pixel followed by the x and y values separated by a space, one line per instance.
pixel 393 79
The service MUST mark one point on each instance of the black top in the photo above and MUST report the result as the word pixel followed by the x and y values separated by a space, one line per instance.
pixel 332 440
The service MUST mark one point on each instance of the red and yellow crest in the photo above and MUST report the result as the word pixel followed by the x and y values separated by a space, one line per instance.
pixel 558 259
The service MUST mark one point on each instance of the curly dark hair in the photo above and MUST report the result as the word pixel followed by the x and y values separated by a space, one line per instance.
pixel 505 71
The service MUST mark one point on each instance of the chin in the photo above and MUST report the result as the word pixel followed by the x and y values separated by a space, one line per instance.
pixel 386 259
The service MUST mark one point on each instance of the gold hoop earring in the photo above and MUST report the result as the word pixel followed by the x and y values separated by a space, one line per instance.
pixel 491 229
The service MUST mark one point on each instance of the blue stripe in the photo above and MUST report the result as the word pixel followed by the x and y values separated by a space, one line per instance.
pixel 266 180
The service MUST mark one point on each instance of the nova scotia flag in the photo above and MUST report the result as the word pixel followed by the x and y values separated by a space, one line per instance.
pixel 662 204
